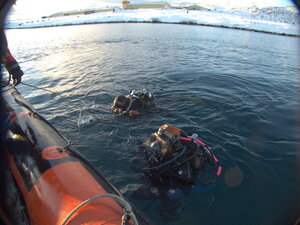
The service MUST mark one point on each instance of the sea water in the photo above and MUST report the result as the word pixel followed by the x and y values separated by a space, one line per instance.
pixel 235 89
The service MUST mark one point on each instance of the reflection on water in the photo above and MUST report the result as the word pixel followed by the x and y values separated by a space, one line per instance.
pixel 235 89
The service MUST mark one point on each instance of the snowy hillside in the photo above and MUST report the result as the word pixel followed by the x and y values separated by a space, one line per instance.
pixel 276 20
pixel 286 14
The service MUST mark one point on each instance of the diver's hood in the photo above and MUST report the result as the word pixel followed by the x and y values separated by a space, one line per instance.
pixel 167 138
pixel 121 102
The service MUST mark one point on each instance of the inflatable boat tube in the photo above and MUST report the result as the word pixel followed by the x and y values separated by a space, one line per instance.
pixel 46 181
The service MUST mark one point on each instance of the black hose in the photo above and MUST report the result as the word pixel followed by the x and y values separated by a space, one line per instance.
pixel 167 162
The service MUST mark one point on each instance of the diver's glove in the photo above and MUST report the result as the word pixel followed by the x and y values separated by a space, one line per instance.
pixel 14 69
pixel 133 112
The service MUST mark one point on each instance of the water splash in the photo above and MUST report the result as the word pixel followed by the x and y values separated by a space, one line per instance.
pixel 83 119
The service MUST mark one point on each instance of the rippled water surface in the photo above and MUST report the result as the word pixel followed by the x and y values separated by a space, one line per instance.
pixel 235 89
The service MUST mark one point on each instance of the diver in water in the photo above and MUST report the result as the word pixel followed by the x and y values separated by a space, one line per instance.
pixel 174 161
pixel 132 103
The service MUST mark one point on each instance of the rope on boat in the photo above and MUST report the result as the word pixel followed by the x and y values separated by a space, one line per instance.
pixel 44 89
pixel 127 208
pixel 128 212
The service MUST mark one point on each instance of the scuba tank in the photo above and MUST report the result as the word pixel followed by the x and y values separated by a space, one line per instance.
pixel 143 96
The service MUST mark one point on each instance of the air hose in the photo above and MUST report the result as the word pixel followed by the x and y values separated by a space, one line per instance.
pixel 169 161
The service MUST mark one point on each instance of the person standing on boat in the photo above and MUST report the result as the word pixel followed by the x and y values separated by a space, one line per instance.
pixel 9 62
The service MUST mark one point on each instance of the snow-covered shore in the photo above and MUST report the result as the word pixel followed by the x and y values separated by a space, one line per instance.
pixel 235 19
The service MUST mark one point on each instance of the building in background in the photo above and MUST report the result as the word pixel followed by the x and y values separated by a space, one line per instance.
pixel 79 12
pixel 148 5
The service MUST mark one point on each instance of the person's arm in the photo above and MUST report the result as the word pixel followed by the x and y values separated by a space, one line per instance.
pixel 133 112
pixel 135 105
pixel 9 62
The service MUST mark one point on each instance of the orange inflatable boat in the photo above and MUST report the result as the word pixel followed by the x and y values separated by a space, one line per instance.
pixel 44 181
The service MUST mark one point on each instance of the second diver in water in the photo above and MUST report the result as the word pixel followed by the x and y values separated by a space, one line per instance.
pixel 132 104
